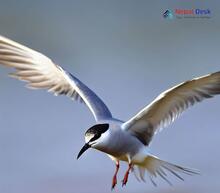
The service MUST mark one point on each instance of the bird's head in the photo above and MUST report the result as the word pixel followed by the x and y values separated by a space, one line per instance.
pixel 93 137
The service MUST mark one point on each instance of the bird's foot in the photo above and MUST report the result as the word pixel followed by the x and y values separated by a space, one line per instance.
pixel 114 179
pixel 125 180
pixel 114 182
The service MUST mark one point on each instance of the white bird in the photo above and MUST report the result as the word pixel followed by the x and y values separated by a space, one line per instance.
pixel 121 141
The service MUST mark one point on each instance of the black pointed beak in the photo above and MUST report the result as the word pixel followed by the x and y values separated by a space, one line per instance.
pixel 84 148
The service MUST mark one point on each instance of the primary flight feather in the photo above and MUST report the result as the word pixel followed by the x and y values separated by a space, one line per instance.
pixel 41 73
pixel 170 104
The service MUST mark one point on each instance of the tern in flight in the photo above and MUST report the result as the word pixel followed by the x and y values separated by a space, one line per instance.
pixel 121 141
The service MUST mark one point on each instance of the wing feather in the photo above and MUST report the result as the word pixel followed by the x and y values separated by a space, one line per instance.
pixel 41 73
pixel 170 104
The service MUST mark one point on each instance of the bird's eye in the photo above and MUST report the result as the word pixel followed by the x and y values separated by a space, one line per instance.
pixel 95 132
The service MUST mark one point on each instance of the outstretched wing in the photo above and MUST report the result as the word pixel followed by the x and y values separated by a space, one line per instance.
pixel 170 104
pixel 41 73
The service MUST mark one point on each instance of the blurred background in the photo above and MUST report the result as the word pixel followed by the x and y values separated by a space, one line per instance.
pixel 127 53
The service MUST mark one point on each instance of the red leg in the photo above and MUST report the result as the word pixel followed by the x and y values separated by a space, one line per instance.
pixel 125 180
pixel 114 179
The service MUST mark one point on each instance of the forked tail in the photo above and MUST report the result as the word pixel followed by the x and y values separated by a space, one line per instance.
pixel 156 167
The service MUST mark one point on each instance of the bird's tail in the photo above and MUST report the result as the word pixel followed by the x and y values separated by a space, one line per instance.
pixel 156 167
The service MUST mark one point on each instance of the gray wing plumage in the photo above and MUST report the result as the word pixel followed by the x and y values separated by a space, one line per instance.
pixel 41 73
pixel 170 104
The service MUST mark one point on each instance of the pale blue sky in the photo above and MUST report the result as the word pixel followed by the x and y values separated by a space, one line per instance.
pixel 127 53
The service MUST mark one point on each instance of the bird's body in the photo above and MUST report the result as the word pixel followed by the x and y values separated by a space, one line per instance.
pixel 121 140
